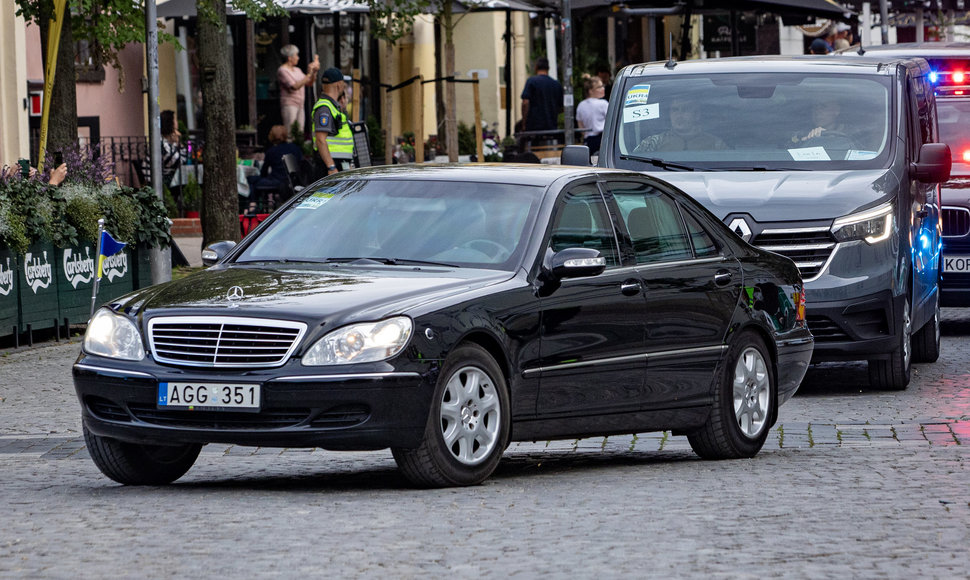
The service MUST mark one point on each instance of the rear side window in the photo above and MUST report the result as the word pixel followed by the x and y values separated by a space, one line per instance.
pixel 657 230
pixel 704 246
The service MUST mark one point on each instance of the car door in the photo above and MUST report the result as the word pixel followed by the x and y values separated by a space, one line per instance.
pixel 592 328
pixel 925 204
pixel 691 289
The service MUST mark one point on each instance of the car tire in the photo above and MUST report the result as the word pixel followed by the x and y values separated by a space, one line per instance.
pixel 926 342
pixel 893 373
pixel 744 403
pixel 140 464
pixel 468 424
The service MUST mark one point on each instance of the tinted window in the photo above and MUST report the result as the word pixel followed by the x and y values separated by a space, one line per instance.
pixel 654 222
pixel 470 224
pixel 704 246
pixel 770 120
pixel 582 221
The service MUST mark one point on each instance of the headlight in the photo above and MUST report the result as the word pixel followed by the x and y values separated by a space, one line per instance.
pixel 360 343
pixel 113 336
pixel 873 226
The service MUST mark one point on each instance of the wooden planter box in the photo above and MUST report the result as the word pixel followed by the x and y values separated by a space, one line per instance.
pixel 9 290
pixel 50 286
pixel 118 277
pixel 78 266
pixel 37 278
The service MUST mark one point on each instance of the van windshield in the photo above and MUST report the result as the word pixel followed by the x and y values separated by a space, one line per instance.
pixel 759 121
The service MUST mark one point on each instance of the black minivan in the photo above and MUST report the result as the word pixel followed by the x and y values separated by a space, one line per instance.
pixel 831 161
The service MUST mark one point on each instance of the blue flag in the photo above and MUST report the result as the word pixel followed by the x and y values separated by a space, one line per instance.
pixel 109 247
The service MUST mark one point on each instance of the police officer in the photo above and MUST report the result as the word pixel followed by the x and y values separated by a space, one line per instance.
pixel 333 140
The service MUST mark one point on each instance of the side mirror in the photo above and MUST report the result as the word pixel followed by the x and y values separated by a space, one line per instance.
pixel 934 163
pixel 577 263
pixel 575 155
pixel 216 251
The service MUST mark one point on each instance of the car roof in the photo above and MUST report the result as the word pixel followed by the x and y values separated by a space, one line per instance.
pixel 918 49
pixel 842 64
pixel 532 174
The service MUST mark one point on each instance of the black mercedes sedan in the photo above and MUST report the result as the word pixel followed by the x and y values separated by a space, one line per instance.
pixel 444 311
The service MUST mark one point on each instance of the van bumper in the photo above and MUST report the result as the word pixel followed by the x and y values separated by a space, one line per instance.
pixel 858 328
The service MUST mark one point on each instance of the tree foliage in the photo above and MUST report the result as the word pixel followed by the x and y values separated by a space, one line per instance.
pixel 392 20
pixel 107 26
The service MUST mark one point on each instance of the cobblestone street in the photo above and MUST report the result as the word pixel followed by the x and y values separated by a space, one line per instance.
pixel 852 483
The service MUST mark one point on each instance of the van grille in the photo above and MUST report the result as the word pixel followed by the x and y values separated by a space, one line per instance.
pixel 809 248
pixel 956 222
pixel 223 341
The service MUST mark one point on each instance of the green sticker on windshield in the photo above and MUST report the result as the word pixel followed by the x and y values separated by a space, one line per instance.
pixel 315 201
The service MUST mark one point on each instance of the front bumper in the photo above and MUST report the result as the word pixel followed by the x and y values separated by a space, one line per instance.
pixel 857 328
pixel 341 410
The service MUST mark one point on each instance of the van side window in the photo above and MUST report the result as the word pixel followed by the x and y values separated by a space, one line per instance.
pixel 924 112
pixel 583 221
pixel 654 222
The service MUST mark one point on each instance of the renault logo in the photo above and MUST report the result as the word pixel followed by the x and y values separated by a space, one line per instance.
pixel 741 228
pixel 235 293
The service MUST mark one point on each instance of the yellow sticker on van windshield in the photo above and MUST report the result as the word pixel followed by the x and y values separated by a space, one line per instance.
pixel 638 95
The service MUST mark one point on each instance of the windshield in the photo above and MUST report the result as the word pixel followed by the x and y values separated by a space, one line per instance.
pixel 954 120
pixel 403 223
pixel 755 121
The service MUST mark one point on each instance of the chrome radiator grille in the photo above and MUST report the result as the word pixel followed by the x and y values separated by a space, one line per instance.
pixel 956 222
pixel 809 248
pixel 223 341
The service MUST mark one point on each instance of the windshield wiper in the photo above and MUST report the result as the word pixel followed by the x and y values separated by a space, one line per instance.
pixel 278 261
pixel 657 162
pixel 758 168
pixel 386 261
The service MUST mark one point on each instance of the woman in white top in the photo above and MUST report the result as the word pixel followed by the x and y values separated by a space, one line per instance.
pixel 591 113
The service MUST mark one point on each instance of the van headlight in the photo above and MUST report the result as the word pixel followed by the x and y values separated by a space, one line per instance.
pixel 361 343
pixel 872 225
pixel 114 336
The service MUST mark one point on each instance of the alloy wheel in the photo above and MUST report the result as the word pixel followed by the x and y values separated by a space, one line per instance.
pixel 752 392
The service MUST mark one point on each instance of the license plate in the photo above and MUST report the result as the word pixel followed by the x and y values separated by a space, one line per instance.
pixel 956 264
pixel 209 396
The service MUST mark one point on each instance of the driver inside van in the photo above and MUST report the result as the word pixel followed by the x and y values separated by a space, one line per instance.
pixel 685 133
pixel 825 118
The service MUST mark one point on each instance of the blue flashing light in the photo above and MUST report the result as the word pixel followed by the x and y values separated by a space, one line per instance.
pixel 934 77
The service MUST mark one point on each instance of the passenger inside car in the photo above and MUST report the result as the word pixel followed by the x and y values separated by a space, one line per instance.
pixel 685 133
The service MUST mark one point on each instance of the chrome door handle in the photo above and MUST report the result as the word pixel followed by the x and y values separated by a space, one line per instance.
pixel 630 288
pixel 722 278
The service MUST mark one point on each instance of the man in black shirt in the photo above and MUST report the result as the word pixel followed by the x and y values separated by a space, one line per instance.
pixel 541 99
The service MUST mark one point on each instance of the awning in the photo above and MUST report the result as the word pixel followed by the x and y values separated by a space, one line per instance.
pixel 829 8
pixel 825 8
pixel 180 8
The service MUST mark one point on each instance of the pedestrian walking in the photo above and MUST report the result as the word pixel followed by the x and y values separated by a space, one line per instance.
pixel 541 99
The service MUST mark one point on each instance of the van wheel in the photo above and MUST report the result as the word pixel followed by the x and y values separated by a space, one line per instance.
pixel 744 400
pixel 893 374
pixel 926 342
pixel 468 427
pixel 139 464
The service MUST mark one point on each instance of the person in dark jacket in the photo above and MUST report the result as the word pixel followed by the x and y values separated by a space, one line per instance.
pixel 273 179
